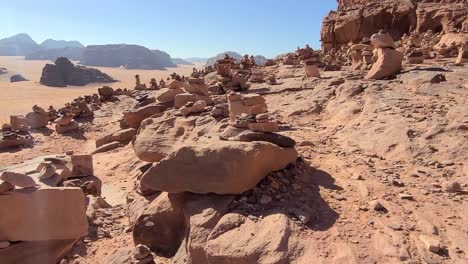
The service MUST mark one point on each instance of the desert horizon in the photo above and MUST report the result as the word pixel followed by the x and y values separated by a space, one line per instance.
pixel 18 97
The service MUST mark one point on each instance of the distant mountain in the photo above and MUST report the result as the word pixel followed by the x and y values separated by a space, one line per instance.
pixel 59 44
pixel 71 53
pixel 196 60
pixel 128 56
pixel 18 45
pixel 259 59
pixel 163 58
pixel 179 61
pixel 211 61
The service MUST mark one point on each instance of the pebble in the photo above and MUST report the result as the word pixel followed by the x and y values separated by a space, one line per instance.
pixel 376 205
pixel 265 199
pixel 405 196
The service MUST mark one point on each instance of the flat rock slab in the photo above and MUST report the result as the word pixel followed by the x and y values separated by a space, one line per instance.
pixel 222 167
pixel 43 214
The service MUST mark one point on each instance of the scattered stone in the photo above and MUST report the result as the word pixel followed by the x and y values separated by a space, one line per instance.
pixel 431 243
pixel 6 187
pixel 451 186
pixel 265 199
pixel 376 206
pixel 18 179
pixel 141 252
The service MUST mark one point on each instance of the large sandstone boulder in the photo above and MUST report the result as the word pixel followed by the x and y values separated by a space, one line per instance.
pixel 161 227
pixel 221 167
pixel 159 136
pixel 43 214
pixel 265 241
pixel 184 98
pixel 168 94
pixel 389 63
pixel 133 118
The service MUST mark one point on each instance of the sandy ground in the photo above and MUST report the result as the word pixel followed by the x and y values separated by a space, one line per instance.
pixel 18 98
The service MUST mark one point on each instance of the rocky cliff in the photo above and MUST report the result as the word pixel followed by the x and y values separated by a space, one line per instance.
pixel 358 19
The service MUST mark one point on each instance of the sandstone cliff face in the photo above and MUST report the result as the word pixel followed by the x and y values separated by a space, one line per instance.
pixel 357 19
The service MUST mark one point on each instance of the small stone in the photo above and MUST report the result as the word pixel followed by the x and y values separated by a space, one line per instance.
pixel 6 187
pixel 141 252
pixel 357 177
pixel 46 172
pixel 4 244
pixel 265 199
pixel 56 160
pixel 376 205
pixel 451 186
pixel 431 243
pixel 339 197
pixel 405 196
pixel 69 152
pixel 17 179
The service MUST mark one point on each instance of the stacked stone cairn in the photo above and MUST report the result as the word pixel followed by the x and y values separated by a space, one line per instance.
pixel 310 60
pixel 65 123
pixel 195 97
pixel 387 60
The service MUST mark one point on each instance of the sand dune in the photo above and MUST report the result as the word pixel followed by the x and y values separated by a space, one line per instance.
pixel 18 98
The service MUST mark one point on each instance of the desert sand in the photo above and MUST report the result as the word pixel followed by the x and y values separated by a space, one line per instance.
pixel 17 98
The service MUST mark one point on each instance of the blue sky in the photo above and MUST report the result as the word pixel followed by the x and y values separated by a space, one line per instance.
pixel 183 28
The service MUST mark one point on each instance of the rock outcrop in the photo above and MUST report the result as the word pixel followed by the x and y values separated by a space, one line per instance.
pixel 358 19
pixel 64 73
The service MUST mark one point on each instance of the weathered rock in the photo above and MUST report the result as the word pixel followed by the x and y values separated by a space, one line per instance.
pixel 17 122
pixel 264 127
pixel 182 99
pixel 63 120
pixel 451 186
pixel 389 63
pixel 196 86
pixel 46 172
pixel 135 117
pixel 161 227
pixel 106 92
pixel 237 107
pixel 63 218
pixel 72 126
pixel 431 243
pixel 175 84
pixel 265 241
pixel 64 73
pixel 202 213
pixel 82 165
pixel 17 78
pixel 311 70
pixel 222 167
pixel 107 147
pixel 123 136
pixel 37 120
pixel 277 139
pixel 17 179
pixel 195 107
pixel 159 136
pixel 168 94
pixel 6 187
pixel 37 252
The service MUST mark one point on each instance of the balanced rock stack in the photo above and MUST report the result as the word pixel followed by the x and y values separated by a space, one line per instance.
pixel 388 61
pixel 167 95
pixel 195 98
pixel 257 76
pixel 65 122
pixel 245 104
pixel 310 59
pixel 34 194
pixel 462 54
pixel 360 54
pixel 38 118
pixel 16 133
